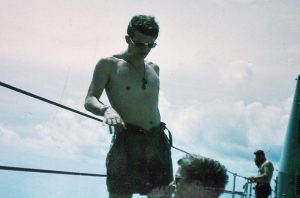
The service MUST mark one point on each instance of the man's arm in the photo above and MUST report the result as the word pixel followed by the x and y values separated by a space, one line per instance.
pixel 267 171
pixel 100 78
pixel 261 177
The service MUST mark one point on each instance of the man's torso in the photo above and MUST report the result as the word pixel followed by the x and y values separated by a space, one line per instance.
pixel 135 105
pixel 266 168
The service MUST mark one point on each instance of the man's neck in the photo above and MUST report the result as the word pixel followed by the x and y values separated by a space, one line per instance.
pixel 133 60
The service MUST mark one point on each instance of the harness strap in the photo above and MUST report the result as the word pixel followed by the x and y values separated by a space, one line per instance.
pixel 170 138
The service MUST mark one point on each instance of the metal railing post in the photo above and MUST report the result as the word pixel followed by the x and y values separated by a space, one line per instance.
pixel 250 193
pixel 233 188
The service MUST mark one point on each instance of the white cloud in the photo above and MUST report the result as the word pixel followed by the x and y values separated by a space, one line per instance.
pixel 65 132
pixel 236 73
pixel 228 127
pixel 228 131
pixel 266 123
pixel 7 135
pixel 70 133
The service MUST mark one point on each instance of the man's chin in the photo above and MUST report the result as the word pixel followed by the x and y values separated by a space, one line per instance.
pixel 143 55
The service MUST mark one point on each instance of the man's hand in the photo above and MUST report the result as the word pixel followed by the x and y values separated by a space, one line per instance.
pixel 112 118
pixel 252 179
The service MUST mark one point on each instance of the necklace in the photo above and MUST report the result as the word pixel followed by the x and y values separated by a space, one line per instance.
pixel 144 80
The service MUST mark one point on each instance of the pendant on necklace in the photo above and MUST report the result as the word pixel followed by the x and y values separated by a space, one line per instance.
pixel 144 83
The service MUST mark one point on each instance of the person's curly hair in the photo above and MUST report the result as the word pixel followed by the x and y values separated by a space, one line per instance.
pixel 209 172
pixel 144 24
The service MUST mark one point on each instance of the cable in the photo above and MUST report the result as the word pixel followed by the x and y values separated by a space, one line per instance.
pixel 181 150
pixel 236 174
pixel 10 168
pixel 48 101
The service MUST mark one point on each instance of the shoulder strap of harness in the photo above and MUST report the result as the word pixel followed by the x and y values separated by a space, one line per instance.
pixel 163 125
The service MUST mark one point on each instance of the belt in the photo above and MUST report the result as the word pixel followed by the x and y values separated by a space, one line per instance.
pixel 130 128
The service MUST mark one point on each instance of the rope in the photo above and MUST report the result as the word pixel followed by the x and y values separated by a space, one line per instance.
pixel 10 168
pixel 48 101
pixel 236 174
pixel 181 150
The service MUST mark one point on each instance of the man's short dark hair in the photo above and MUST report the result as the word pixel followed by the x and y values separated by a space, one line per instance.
pixel 209 172
pixel 259 152
pixel 144 24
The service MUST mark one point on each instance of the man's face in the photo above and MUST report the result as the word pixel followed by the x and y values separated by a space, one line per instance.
pixel 140 44
pixel 258 160
pixel 185 188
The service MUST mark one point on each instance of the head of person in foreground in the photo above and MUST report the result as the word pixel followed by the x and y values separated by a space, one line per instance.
pixel 199 177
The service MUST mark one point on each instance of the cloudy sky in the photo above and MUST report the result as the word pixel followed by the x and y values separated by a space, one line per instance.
pixel 228 70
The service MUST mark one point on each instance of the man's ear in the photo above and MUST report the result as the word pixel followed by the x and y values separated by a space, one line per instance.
pixel 127 39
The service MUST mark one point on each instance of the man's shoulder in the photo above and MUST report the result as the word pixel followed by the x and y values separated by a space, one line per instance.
pixel 268 164
pixel 154 66
pixel 111 60
pixel 107 63
pixel 151 64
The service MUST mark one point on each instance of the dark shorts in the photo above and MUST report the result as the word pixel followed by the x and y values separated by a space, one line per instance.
pixel 139 160
pixel 262 190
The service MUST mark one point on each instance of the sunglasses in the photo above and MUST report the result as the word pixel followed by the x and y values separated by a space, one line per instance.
pixel 136 44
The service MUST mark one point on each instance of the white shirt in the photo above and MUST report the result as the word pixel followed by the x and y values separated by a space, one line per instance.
pixel 266 169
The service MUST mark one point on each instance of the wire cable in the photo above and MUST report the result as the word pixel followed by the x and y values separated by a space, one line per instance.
pixel 48 101
pixel 11 168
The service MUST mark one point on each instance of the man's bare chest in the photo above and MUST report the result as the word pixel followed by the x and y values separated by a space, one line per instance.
pixel 126 78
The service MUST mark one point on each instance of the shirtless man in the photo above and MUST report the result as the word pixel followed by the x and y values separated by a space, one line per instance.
pixel 265 172
pixel 139 160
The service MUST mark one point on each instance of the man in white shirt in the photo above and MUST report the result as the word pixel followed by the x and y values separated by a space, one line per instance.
pixel 265 172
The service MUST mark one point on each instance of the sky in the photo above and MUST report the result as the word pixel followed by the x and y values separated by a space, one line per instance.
pixel 227 74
